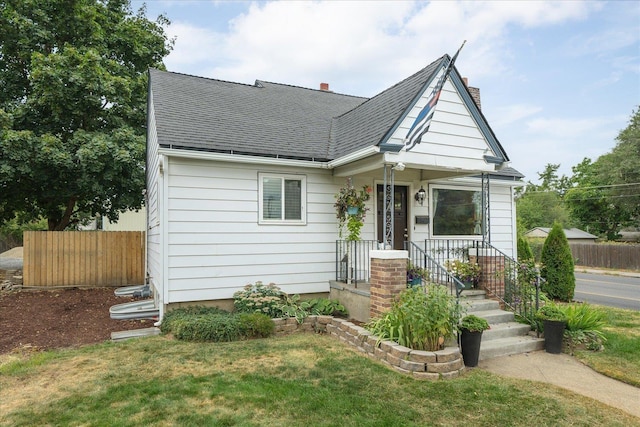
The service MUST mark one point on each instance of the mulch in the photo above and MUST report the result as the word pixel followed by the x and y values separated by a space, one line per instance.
pixel 45 320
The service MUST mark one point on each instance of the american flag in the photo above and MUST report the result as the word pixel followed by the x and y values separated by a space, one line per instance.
pixel 421 125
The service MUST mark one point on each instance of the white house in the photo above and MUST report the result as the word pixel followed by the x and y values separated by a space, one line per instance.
pixel 241 179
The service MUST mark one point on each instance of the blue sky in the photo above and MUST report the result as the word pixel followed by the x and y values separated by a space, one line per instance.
pixel 558 79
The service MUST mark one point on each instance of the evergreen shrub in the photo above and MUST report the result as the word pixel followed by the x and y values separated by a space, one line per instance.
pixel 557 266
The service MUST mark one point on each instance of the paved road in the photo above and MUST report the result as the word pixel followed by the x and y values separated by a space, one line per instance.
pixel 609 290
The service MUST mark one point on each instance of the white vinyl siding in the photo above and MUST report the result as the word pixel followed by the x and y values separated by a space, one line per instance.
pixel 454 140
pixel 154 199
pixel 216 243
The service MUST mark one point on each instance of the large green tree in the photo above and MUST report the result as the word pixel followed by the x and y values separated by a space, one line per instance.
pixel 72 107
pixel 542 205
pixel 606 195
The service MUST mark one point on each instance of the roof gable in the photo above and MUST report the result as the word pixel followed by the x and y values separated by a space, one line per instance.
pixel 371 122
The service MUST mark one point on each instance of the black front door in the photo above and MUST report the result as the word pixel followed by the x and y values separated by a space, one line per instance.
pixel 400 215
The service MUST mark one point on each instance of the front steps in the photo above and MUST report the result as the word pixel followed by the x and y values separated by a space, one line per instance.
pixel 506 336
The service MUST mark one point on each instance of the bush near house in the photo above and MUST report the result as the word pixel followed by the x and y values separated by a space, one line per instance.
pixel 215 325
pixel 422 318
pixel 524 250
pixel 557 266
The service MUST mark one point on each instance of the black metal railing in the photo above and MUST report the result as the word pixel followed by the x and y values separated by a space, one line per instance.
pixel 514 284
pixel 353 264
pixel 437 273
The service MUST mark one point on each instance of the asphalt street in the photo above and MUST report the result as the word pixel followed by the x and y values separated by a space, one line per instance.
pixel 611 290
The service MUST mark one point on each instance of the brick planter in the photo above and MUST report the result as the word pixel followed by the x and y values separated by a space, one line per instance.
pixel 430 365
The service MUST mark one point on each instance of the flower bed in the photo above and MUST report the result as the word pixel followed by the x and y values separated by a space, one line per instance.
pixel 430 365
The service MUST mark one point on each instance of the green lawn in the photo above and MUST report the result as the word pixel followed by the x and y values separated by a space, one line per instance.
pixel 300 380
pixel 620 358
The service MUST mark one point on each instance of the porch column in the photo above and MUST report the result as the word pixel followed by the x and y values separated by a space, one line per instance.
pixel 388 279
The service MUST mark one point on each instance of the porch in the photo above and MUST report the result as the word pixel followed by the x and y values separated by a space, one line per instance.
pixel 501 277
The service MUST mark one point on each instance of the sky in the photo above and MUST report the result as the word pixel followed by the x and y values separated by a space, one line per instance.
pixel 558 80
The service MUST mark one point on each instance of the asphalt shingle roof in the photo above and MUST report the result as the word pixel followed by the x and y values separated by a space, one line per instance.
pixel 369 123
pixel 265 119
pixel 277 120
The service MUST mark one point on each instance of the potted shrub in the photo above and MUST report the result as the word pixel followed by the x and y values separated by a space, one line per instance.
pixel 415 275
pixel 471 327
pixel 554 320
pixel 466 271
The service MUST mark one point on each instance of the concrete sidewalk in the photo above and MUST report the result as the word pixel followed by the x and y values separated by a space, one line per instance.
pixel 565 371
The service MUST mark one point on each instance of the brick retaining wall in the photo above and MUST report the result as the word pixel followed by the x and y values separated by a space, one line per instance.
pixel 431 365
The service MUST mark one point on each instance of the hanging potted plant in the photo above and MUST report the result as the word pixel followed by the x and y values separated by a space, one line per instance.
pixel 351 209
pixel 554 321
pixel 466 271
pixel 472 327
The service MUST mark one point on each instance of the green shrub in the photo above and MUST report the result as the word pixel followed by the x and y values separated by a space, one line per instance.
pixel 557 266
pixel 211 327
pixel 326 307
pixel 292 306
pixel 212 324
pixel 259 298
pixel 255 325
pixel 473 323
pixel 524 250
pixel 536 244
pixel 585 325
pixel 422 318
pixel 176 315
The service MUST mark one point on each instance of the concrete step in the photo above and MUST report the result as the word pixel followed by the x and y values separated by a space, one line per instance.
pixel 511 345
pixel 476 305
pixel 473 294
pixel 505 330
pixel 496 316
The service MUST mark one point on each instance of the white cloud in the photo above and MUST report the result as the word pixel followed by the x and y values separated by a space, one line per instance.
pixel 359 47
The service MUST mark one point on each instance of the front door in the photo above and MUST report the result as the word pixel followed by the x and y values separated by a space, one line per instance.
pixel 400 215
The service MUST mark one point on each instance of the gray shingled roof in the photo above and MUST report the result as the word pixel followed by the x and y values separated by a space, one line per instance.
pixel 370 122
pixel 276 120
pixel 266 119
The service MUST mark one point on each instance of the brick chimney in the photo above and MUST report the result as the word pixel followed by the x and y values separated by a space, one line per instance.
pixel 324 87
pixel 474 91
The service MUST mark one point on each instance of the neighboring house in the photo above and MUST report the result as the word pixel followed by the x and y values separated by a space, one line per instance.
pixel 574 235
pixel 241 179
pixel 127 221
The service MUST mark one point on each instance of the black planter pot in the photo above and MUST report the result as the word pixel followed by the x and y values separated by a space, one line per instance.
pixel 470 343
pixel 553 333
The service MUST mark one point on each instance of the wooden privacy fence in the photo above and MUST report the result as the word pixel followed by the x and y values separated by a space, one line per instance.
pixel 83 258
pixel 625 257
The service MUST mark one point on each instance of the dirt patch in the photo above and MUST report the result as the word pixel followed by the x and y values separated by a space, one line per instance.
pixel 60 318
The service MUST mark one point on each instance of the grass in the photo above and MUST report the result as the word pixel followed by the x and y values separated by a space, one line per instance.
pixel 298 380
pixel 620 358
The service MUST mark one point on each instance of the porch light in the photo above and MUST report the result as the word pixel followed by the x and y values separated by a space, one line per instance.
pixel 421 195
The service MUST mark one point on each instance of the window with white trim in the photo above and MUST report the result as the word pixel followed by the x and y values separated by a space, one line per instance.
pixel 282 199
pixel 456 211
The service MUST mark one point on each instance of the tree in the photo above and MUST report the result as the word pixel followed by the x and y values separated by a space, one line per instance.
pixel 557 266
pixel 542 205
pixel 606 195
pixel 73 107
